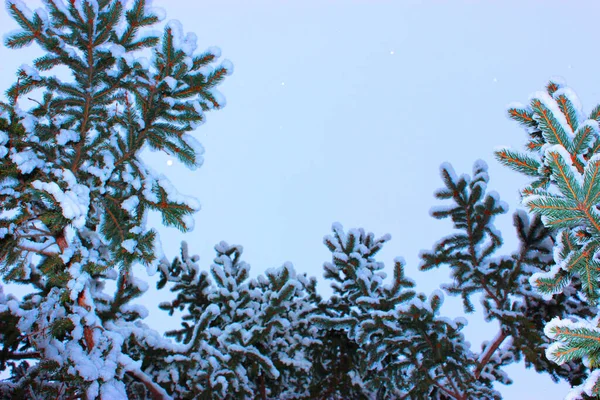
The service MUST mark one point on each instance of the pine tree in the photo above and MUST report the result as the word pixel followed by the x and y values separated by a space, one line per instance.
pixel 563 162
pixel 75 190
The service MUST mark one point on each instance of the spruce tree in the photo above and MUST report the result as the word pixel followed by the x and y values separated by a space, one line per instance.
pixel 395 346
pixel 244 337
pixel 75 189
pixel 562 160
pixel 502 281
pixel 393 343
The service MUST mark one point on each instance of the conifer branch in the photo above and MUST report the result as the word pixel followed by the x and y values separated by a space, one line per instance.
pixel 489 352
pixel 69 143
pixel 21 356
pixel 156 392
pixel 455 392
pixel 567 143
pixel 41 252
pixel 452 393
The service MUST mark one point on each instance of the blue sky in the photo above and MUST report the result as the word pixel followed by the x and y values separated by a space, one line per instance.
pixel 343 111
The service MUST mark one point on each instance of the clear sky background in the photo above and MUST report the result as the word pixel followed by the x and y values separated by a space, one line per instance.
pixel 343 111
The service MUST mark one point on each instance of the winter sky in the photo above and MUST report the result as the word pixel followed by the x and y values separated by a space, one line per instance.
pixel 343 111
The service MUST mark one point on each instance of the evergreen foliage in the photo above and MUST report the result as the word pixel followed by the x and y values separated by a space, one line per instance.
pixel 503 281
pixel 564 162
pixel 401 348
pixel 75 192
pixel 244 336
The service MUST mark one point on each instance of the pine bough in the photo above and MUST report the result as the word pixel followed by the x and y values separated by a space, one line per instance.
pixel 563 162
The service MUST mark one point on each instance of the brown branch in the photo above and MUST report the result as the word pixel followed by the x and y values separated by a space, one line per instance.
pixel 475 261
pixel 459 396
pixel 23 356
pixel 263 389
pixel 489 352
pixel 30 235
pixel 491 349
pixel 17 88
pixel 79 146
pixel 445 390
pixel 35 228
pixel 88 334
pixel 156 392
pixel 456 393
pixel 116 222
pixel 36 251
pixel 88 101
